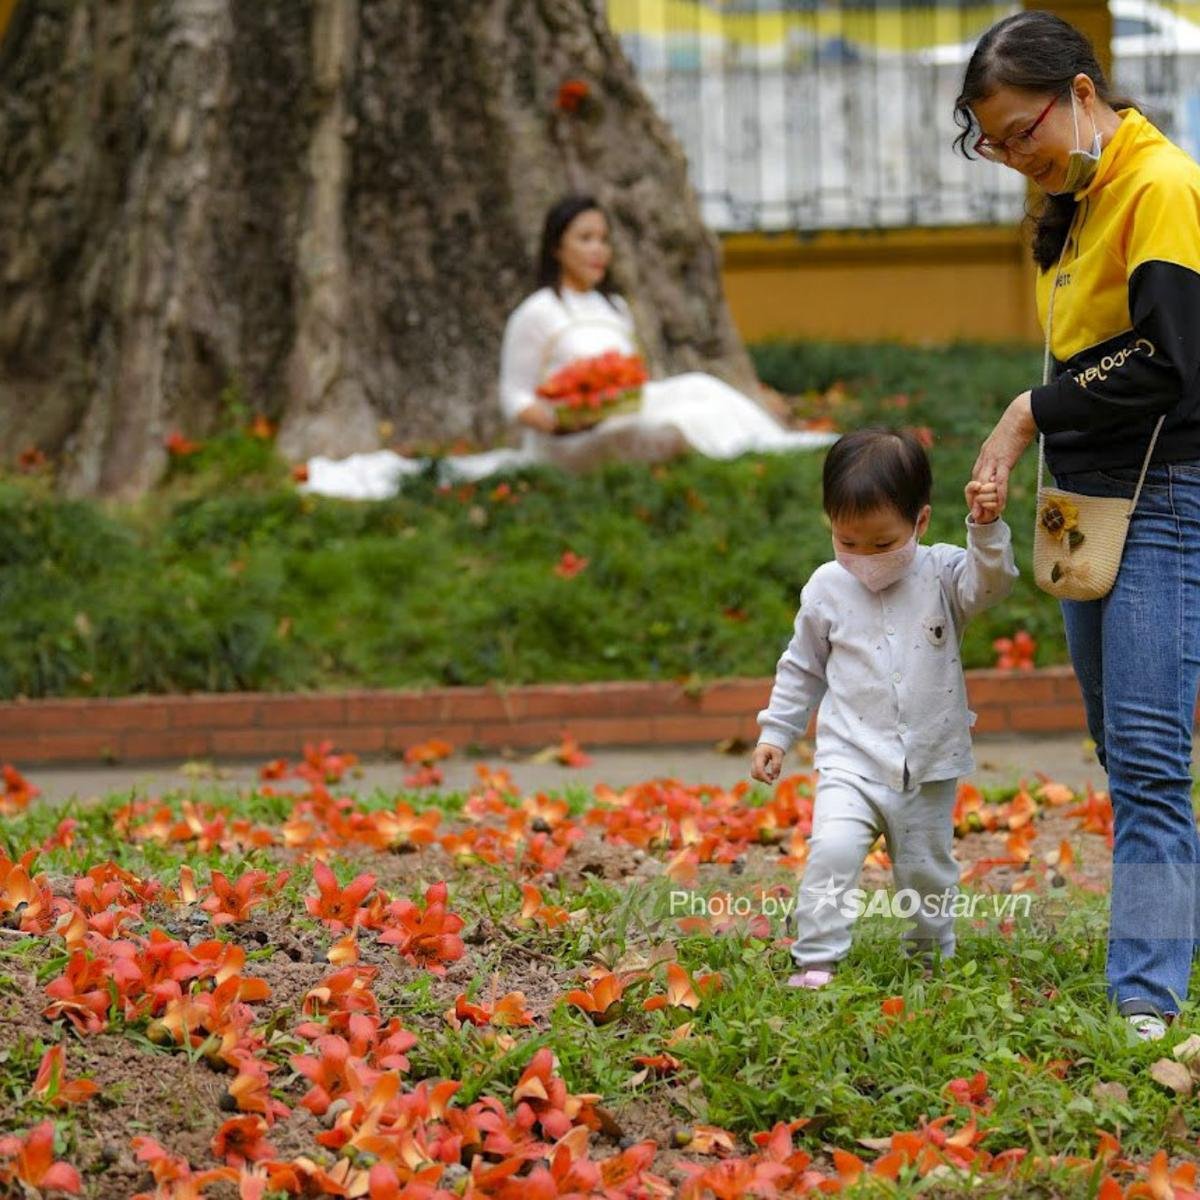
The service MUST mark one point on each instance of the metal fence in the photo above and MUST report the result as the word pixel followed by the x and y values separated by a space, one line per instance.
pixel 808 114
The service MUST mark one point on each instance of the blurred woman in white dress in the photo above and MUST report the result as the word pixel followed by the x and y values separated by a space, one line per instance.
pixel 575 315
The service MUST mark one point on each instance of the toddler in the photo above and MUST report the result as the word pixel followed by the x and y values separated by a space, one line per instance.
pixel 876 647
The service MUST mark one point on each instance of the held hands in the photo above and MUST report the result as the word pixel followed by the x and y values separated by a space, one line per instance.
pixel 767 763
pixel 983 501
pixel 1005 444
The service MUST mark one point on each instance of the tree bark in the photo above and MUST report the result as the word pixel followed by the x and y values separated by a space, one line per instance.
pixel 323 208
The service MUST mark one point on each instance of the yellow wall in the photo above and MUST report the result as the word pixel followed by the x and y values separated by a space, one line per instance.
pixel 916 285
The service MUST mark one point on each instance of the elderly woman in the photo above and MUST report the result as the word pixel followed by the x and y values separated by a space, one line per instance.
pixel 1117 242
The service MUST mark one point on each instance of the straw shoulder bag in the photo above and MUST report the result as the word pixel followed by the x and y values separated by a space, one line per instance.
pixel 1078 540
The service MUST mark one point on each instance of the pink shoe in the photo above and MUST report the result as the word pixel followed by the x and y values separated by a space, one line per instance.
pixel 812 977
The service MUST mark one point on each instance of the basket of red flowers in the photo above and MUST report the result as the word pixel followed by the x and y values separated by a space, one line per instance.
pixel 590 390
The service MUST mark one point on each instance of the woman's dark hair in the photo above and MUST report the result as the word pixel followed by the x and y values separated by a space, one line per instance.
pixel 1034 52
pixel 557 220
pixel 871 469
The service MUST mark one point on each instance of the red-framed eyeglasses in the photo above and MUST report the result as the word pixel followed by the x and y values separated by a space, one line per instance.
pixel 1020 143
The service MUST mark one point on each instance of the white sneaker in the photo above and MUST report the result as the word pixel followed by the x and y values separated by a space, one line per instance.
pixel 1144 1019
pixel 1147 1026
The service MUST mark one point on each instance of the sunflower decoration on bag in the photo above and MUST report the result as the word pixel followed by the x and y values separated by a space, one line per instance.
pixel 1060 519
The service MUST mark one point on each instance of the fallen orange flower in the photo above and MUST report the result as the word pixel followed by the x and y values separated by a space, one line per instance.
pixel 63 836
pixel 321 765
pixel 429 937
pixel 533 910
pixel 660 1064
pixel 51 1083
pixel 173 1173
pixel 250 1091
pixel 424 777
pixel 18 792
pixel 972 1092
pixel 242 1139
pixel 1095 814
pixel 81 993
pixel 1055 794
pixel 542 1096
pixel 26 902
pixel 569 752
pixel 601 999
pixel 681 991
pixel 231 902
pixel 1019 843
pixel 507 1012
pixel 402 829
pixel 338 907
pixel 425 754
pixel 30 1161
pixel 345 991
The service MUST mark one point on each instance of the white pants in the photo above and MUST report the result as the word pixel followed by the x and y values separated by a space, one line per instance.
pixel 849 813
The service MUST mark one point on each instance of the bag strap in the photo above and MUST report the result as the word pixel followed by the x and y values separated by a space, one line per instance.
pixel 1137 491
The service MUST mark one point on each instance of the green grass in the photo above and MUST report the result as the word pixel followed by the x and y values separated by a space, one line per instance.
pixel 227 579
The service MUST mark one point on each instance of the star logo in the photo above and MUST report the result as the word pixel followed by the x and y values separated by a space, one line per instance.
pixel 826 895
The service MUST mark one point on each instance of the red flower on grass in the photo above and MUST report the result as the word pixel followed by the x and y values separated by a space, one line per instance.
pixel 570 565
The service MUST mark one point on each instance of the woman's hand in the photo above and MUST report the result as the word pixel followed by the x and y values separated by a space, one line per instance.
pixel 1005 445
pixel 540 416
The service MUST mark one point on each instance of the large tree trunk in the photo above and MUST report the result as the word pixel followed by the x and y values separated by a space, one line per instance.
pixel 324 207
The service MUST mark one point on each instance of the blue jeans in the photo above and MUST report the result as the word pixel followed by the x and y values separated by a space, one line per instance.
pixel 1136 654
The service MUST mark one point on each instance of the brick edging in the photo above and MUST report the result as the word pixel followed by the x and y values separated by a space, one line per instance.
pixel 260 725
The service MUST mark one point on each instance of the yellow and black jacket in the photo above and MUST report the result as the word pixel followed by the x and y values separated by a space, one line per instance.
pixel 1126 324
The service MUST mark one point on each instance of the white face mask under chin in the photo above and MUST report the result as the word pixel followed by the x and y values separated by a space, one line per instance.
pixel 879 571
pixel 1081 164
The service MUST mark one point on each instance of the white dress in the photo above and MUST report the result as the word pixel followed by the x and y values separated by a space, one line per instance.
pixel 546 332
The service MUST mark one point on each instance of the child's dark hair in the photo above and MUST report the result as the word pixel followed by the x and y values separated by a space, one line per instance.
pixel 871 469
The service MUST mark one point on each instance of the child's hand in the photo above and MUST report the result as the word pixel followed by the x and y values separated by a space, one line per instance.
pixel 983 500
pixel 768 762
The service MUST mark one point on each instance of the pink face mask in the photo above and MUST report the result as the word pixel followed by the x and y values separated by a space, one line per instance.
pixel 878 571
